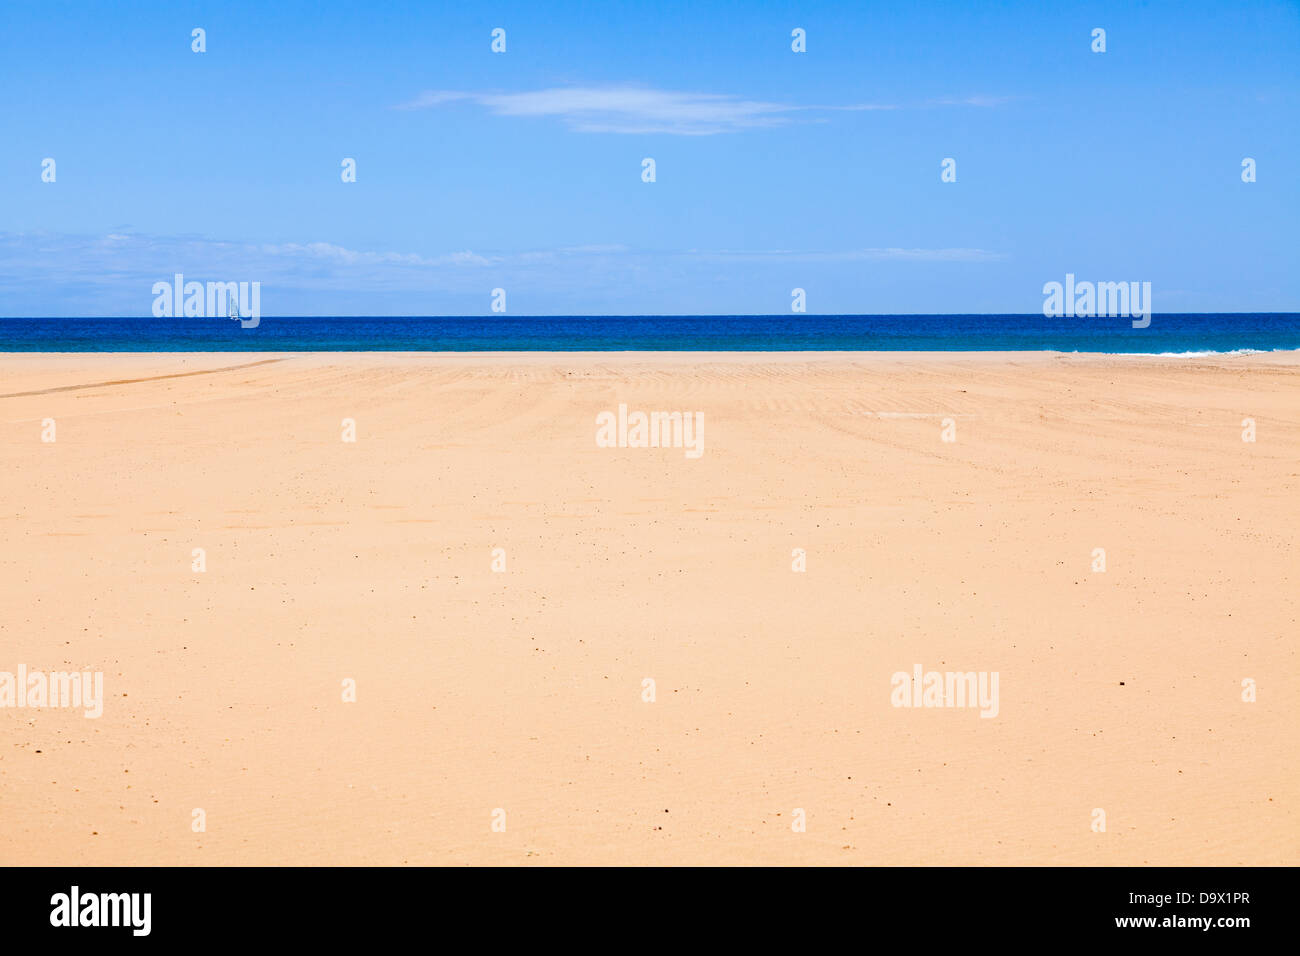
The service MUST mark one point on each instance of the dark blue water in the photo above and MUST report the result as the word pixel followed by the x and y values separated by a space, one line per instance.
pixel 1168 333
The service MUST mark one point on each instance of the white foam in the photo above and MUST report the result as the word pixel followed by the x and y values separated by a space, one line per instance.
pixel 1201 354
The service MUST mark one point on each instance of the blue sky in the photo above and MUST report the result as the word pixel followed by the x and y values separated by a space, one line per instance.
pixel 522 170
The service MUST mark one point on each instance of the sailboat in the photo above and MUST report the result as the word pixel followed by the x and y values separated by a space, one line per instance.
pixel 232 307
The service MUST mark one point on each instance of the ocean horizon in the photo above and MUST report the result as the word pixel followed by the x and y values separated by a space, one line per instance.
pixel 1168 333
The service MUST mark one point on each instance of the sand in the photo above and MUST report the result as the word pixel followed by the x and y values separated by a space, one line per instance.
pixel 522 690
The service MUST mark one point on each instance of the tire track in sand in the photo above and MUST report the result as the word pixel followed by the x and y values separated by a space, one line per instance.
pixel 133 381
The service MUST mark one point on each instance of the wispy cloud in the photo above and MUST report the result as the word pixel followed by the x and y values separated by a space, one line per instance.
pixel 114 273
pixel 118 255
pixel 977 100
pixel 633 109
pixel 637 109
pixel 891 254
pixel 328 252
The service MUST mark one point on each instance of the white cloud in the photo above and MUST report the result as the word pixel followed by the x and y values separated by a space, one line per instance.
pixel 893 254
pixel 348 257
pixel 117 255
pixel 978 100
pixel 633 109
pixel 113 274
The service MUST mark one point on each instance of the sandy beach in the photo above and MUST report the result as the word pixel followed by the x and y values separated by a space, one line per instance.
pixel 515 680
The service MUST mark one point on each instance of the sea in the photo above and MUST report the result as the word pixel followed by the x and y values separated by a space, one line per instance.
pixel 1189 334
